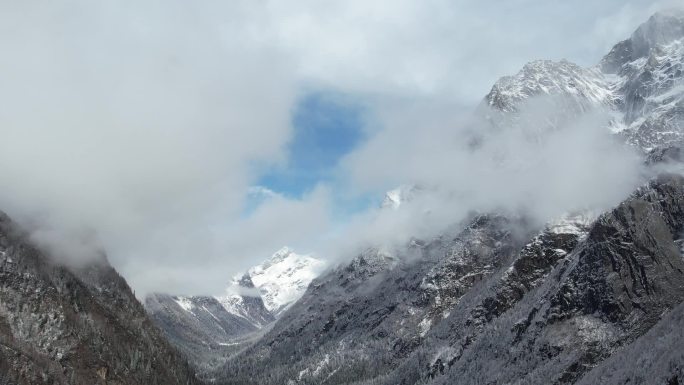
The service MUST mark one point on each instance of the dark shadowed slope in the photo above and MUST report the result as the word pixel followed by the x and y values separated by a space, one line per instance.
pixel 75 326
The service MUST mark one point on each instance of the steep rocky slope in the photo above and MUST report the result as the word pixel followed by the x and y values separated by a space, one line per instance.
pixel 63 325
pixel 613 287
pixel 359 320
pixel 654 358
pixel 209 329
pixel 485 307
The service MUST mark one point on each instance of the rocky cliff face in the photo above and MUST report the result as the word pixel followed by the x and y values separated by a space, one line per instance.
pixel 75 326
pixel 612 287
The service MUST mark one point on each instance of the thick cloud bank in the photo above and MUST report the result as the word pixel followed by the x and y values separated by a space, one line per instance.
pixel 528 167
pixel 139 126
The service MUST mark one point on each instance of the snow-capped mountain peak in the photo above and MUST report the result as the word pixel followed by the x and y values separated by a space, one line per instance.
pixel 251 301
pixel 284 277
pixel 661 28
pixel 400 195
pixel 647 68
pixel 638 82
pixel 277 257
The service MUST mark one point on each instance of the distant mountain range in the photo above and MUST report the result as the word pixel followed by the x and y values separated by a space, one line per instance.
pixel 208 329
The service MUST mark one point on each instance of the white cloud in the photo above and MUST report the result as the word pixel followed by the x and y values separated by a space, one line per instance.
pixel 140 120
pixel 451 49
pixel 140 123
pixel 528 168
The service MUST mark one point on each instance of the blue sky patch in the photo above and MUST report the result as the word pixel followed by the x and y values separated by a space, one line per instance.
pixel 326 128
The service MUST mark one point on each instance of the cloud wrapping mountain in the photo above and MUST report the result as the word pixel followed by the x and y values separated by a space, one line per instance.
pixel 140 127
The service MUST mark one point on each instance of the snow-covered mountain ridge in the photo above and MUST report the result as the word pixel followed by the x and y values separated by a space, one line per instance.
pixel 639 81
pixel 589 87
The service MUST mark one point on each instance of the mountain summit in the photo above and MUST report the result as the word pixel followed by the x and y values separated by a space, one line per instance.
pixel 283 278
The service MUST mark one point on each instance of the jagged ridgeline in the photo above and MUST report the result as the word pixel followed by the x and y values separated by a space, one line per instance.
pixel 83 325
pixel 589 298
